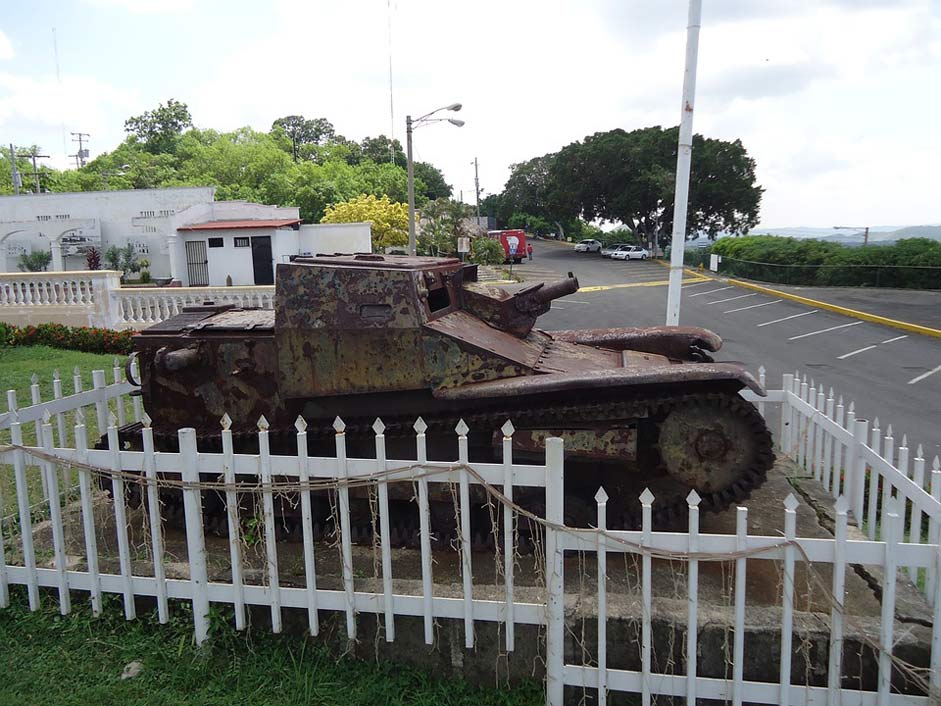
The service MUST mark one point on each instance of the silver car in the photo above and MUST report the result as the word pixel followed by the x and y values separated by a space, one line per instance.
pixel 631 252
pixel 609 250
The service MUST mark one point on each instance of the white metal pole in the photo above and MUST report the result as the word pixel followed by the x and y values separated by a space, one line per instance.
pixel 411 186
pixel 683 159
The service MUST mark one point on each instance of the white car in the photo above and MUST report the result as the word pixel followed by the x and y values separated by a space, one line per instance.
pixel 632 252
pixel 589 245
pixel 609 250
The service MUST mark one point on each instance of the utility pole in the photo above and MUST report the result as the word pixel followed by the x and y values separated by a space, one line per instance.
pixel 477 189
pixel 82 152
pixel 33 155
pixel 684 158
pixel 15 174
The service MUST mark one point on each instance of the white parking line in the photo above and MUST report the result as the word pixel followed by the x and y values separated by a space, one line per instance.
pixel 753 306
pixel 574 301
pixel 924 375
pixel 711 291
pixel 732 299
pixel 852 353
pixel 825 330
pixel 696 284
pixel 897 338
pixel 788 318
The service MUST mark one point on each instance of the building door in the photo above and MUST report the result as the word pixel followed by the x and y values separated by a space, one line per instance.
pixel 197 264
pixel 261 259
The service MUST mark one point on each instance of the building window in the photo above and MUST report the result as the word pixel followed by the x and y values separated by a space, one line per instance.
pixel 62 216
pixel 241 242
pixel 148 214
pixel 150 229
pixel 166 212
pixel 141 247
pixel 216 243
pixel 43 218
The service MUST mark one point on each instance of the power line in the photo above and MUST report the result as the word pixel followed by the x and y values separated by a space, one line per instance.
pixel 33 154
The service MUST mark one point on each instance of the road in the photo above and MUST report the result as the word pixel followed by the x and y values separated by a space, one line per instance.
pixel 888 373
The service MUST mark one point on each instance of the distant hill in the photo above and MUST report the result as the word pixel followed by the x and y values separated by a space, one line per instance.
pixel 877 234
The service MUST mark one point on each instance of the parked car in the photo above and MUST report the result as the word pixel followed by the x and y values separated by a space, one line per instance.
pixel 588 245
pixel 609 250
pixel 631 252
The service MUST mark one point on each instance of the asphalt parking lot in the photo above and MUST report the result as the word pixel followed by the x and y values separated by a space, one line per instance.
pixel 887 372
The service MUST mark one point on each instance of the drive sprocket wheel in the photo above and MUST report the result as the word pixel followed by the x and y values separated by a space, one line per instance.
pixel 717 444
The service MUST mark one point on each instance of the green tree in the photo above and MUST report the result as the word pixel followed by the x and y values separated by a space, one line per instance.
pixel 35 261
pixel 389 220
pixel 433 185
pixel 442 222
pixel 160 128
pixel 381 149
pixel 301 131
pixel 486 251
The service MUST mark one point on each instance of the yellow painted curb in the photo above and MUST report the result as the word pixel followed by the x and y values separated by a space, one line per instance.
pixel 688 270
pixel 628 285
pixel 864 316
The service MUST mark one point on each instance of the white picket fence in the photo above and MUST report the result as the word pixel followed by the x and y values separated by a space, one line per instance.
pixel 805 429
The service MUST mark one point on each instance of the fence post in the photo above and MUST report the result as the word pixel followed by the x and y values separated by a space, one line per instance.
pixel 22 501
pixel 891 533
pixel 787 384
pixel 601 498
pixel 856 469
pixel 310 566
pixel 646 503
pixel 761 381
pixel 385 539
pixel 934 688
pixel 834 676
pixel 828 442
pixel 120 517
pixel 509 550
pixel 787 599
pixel 692 599
pixel 101 404
pixel 195 541
pixel 35 398
pixel 872 512
pixel 85 478
pixel 933 577
pixel 555 583
pixel 466 560
pixel 55 516
pixel 60 418
pixel 267 502
pixel 424 526
pixel 346 535
pixel 738 636
pixel 153 516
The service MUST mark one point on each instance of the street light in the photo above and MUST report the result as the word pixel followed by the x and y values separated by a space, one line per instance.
pixel 865 230
pixel 409 125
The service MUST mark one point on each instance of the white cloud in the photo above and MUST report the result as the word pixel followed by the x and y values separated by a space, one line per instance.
pixel 6 48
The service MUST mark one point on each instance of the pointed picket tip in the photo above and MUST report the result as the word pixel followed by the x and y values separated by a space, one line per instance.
pixel 34 378
pixel 112 420
pixel 76 370
pixel 146 420
pixel 263 423
pixel 693 499
pixel 920 453
pixel 842 505
pixel 225 422
pixel 904 441
pixel 804 379
pixel 888 432
pixel 461 428
pixel 830 394
pixel 300 424
pixel 875 423
pixel 761 370
pixel 790 502
pixel 420 426
pixel 840 401
pixel 339 425
pixel 378 427
pixel 46 417
pixel 507 429
pixel 852 407
pixel 55 374
pixel 936 465
pixel 812 384
pixel 646 498
pixel 117 362
pixel 601 497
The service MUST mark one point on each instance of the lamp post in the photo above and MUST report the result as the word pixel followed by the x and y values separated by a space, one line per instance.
pixel 409 126
pixel 865 230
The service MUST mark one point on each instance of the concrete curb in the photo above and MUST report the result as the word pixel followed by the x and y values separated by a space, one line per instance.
pixel 852 313
pixel 836 308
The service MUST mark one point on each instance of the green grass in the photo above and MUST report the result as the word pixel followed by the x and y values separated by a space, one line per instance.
pixel 17 366
pixel 48 659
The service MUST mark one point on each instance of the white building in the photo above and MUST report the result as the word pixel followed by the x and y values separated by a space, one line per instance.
pixel 184 234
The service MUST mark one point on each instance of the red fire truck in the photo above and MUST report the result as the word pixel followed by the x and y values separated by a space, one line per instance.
pixel 513 241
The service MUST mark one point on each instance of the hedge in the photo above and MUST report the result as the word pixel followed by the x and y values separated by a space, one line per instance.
pixel 76 338
pixel 913 263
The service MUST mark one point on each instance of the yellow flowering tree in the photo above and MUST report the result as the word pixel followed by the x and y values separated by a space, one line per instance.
pixel 389 219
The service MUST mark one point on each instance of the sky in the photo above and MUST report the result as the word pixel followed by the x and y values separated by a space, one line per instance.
pixel 837 100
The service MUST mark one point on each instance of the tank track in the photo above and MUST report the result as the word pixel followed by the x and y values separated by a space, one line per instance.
pixel 670 506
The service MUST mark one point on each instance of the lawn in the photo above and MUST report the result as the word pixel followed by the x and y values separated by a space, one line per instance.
pixel 54 660
pixel 17 366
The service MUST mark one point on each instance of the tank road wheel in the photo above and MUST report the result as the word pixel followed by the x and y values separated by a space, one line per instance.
pixel 717 444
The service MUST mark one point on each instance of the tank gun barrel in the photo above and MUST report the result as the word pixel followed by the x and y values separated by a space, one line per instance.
pixel 539 295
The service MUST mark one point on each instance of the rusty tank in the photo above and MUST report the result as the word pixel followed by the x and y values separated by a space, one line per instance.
pixel 397 337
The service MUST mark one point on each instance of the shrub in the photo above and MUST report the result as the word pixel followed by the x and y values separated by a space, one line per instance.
pixel 93 259
pixel 36 261
pixel 77 338
pixel 486 251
